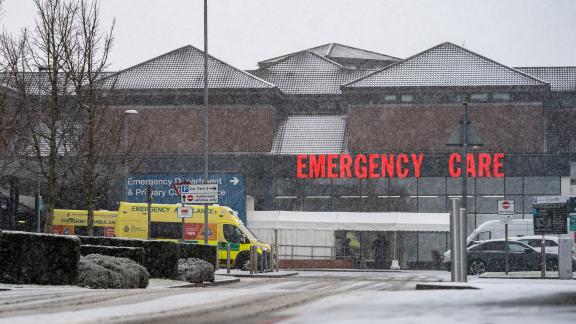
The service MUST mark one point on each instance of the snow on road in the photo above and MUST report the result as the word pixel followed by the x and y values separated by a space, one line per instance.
pixel 498 301
pixel 141 310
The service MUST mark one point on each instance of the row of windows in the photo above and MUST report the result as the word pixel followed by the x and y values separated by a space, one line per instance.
pixel 426 204
pixel 441 98
pixel 415 186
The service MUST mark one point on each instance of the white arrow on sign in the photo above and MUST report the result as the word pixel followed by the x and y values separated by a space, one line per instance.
pixel 234 181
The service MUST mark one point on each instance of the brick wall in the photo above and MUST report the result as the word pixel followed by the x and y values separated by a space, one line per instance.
pixel 180 129
pixel 503 127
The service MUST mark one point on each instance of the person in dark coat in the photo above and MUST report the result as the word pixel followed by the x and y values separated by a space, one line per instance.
pixel 379 247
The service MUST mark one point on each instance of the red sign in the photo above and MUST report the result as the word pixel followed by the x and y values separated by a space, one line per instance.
pixel 195 231
pixel 505 204
pixel 402 165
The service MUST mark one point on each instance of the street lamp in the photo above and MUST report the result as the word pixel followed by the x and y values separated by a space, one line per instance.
pixel 464 135
pixel 39 195
pixel 126 113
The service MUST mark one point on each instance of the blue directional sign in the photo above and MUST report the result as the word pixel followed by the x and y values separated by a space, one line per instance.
pixel 232 190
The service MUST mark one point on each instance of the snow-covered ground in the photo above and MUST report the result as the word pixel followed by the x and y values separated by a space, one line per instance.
pixel 310 297
pixel 497 301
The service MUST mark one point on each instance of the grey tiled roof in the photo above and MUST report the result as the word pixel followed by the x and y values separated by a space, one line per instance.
pixel 335 50
pixel 183 68
pixel 561 78
pixel 445 65
pixel 311 134
pixel 37 83
pixel 308 73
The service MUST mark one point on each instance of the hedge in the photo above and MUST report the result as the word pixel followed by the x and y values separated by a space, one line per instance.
pixel 195 270
pixel 198 251
pixel 135 254
pixel 32 258
pixel 104 271
pixel 160 257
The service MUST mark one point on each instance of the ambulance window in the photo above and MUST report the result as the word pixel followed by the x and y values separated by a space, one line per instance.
pixel 232 234
pixel 165 230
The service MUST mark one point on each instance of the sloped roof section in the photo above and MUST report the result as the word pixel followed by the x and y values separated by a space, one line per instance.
pixel 446 65
pixel 561 78
pixel 311 134
pixel 334 51
pixel 183 68
pixel 308 73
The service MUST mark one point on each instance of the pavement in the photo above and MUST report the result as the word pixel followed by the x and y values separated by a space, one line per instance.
pixel 154 283
pixel 246 274
pixel 522 275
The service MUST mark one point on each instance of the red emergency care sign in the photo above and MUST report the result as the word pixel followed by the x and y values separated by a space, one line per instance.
pixel 402 165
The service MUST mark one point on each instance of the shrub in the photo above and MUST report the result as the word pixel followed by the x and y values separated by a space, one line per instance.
pixel 135 254
pixel 198 251
pixel 103 271
pixel 160 257
pixel 195 270
pixel 32 258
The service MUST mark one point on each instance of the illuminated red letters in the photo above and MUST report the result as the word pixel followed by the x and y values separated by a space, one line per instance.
pixel 402 165
pixel 483 165
pixel 360 166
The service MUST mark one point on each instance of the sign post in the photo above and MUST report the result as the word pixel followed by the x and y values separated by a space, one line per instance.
pixel 506 207
pixel 201 194
pixel 183 213
pixel 149 201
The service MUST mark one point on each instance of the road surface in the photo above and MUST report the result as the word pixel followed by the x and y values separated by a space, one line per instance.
pixel 253 300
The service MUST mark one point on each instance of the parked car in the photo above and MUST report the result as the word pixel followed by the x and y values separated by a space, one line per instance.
pixel 490 256
pixel 550 243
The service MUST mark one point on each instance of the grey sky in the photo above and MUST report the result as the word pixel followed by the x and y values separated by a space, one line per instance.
pixel 242 32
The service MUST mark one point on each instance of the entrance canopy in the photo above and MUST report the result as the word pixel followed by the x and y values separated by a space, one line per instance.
pixel 333 221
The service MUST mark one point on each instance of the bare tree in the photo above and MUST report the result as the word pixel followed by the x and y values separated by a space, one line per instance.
pixel 86 60
pixel 61 119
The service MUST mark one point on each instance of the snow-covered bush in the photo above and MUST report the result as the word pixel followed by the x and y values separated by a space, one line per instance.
pixel 160 257
pixel 198 251
pixel 195 270
pixel 103 271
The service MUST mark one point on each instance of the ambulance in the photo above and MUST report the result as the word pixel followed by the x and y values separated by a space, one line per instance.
pixel 74 222
pixel 224 227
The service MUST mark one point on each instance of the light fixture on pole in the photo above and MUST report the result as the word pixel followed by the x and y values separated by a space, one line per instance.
pixel 206 116
pixel 126 113
pixel 464 135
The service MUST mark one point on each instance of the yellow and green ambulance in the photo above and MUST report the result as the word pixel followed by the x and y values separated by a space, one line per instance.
pixel 224 227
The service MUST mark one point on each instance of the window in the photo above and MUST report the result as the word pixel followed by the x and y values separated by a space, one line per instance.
pixel 550 243
pixel 390 98
pixel 515 247
pixel 166 230
pixel 479 97
pixel 502 96
pixel 494 246
pixel 407 98
pixel 232 234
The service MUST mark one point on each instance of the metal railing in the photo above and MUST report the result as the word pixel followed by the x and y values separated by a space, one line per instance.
pixel 310 255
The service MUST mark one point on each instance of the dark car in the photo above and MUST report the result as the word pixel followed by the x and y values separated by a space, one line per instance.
pixel 491 256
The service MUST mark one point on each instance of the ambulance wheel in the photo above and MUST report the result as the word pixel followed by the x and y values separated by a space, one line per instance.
pixel 243 262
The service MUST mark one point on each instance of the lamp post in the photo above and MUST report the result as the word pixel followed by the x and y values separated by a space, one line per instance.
pixel 462 136
pixel 126 113
pixel 39 195
pixel 206 116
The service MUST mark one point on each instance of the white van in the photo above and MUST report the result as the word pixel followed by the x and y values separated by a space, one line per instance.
pixel 494 229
